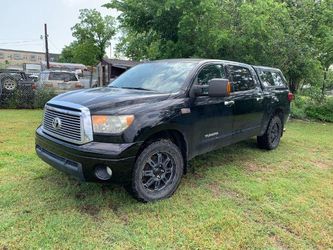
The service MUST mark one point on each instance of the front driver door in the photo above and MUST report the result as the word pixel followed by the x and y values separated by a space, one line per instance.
pixel 212 119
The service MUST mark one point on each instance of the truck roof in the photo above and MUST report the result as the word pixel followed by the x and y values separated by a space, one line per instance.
pixel 265 67
pixel 198 60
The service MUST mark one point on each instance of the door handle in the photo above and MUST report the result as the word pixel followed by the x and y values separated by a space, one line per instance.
pixel 229 103
pixel 260 98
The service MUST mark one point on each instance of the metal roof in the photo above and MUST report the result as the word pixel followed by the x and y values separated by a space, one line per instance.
pixel 121 63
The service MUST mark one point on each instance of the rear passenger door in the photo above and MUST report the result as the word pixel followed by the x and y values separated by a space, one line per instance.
pixel 247 97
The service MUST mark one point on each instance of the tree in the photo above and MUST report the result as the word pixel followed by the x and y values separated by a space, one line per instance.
pixel 93 34
pixel 67 53
pixel 84 52
pixel 94 29
pixel 294 35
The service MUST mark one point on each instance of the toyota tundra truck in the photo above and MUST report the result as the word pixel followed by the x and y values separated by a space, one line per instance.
pixel 144 127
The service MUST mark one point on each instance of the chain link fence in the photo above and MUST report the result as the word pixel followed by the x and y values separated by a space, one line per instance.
pixel 19 91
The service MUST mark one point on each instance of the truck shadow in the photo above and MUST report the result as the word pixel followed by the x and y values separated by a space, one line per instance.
pixel 91 198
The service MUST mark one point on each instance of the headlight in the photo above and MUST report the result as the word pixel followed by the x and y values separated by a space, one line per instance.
pixel 111 124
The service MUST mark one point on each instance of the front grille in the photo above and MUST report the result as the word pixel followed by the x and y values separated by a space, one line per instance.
pixel 63 124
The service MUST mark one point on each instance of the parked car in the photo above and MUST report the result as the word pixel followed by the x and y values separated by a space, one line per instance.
pixel 12 80
pixel 147 124
pixel 60 81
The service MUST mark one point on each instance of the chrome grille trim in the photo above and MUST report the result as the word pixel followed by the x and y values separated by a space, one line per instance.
pixel 77 126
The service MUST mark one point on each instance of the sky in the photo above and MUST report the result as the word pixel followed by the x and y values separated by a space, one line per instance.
pixel 22 22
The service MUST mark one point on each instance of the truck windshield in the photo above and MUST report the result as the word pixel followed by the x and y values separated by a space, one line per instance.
pixel 163 77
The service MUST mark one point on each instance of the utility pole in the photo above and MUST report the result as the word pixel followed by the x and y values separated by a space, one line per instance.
pixel 46 47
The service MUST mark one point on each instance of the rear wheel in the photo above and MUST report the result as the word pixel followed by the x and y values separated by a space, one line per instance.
pixel 271 139
pixel 157 171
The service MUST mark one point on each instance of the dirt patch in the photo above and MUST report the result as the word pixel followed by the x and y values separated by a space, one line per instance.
pixel 116 210
pixel 80 196
pixel 215 189
pixel 105 189
pixel 277 242
pixel 218 191
pixel 231 193
pixel 90 210
pixel 198 176
pixel 124 218
pixel 322 164
pixel 252 167
pixel 114 207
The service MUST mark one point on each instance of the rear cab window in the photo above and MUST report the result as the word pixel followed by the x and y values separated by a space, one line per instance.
pixel 271 77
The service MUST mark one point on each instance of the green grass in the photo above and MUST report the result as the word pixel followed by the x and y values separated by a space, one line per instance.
pixel 237 197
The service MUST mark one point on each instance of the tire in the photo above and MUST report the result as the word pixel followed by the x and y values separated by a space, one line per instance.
pixel 157 171
pixel 8 83
pixel 271 139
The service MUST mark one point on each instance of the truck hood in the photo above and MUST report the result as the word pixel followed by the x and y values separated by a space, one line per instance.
pixel 98 99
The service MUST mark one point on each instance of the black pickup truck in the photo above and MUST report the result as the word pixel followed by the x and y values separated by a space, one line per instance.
pixel 146 125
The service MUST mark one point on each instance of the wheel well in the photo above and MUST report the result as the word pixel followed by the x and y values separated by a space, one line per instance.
pixel 279 112
pixel 175 136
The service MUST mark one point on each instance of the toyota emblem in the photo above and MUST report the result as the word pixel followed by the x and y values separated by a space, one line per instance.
pixel 56 123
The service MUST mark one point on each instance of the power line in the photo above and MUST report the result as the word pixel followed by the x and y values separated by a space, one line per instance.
pixel 15 40
pixel 27 44
pixel 19 42
pixel 53 45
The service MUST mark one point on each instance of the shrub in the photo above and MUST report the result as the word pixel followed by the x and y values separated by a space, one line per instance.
pixel 23 98
pixel 322 112
pixel 304 107
pixel 42 96
pixel 20 98
pixel 298 107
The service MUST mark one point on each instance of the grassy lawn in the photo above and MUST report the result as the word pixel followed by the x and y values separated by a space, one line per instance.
pixel 237 197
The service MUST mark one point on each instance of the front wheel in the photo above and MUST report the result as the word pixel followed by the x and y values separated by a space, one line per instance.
pixel 157 171
pixel 271 139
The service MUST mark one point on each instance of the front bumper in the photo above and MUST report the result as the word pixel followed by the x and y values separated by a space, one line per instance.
pixel 80 161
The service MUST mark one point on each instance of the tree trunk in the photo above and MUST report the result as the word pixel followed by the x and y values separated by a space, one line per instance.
pixel 292 86
pixel 324 82
pixel 91 76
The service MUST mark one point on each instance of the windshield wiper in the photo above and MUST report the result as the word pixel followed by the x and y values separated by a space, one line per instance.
pixel 138 88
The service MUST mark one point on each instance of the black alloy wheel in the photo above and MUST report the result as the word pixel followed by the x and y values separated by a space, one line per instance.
pixel 271 139
pixel 157 171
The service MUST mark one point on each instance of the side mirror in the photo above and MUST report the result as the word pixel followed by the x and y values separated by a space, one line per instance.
pixel 219 87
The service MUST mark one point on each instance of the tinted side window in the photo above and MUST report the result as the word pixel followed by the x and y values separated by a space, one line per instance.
pixel 278 80
pixel 64 76
pixel 210 72
pixel 57 76
pixel 271 78
pixel 72 77
pixel 266 78
pixel 241 78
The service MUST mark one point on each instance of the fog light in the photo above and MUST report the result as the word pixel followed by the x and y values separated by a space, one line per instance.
pixel 109 171
pixel 103 173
